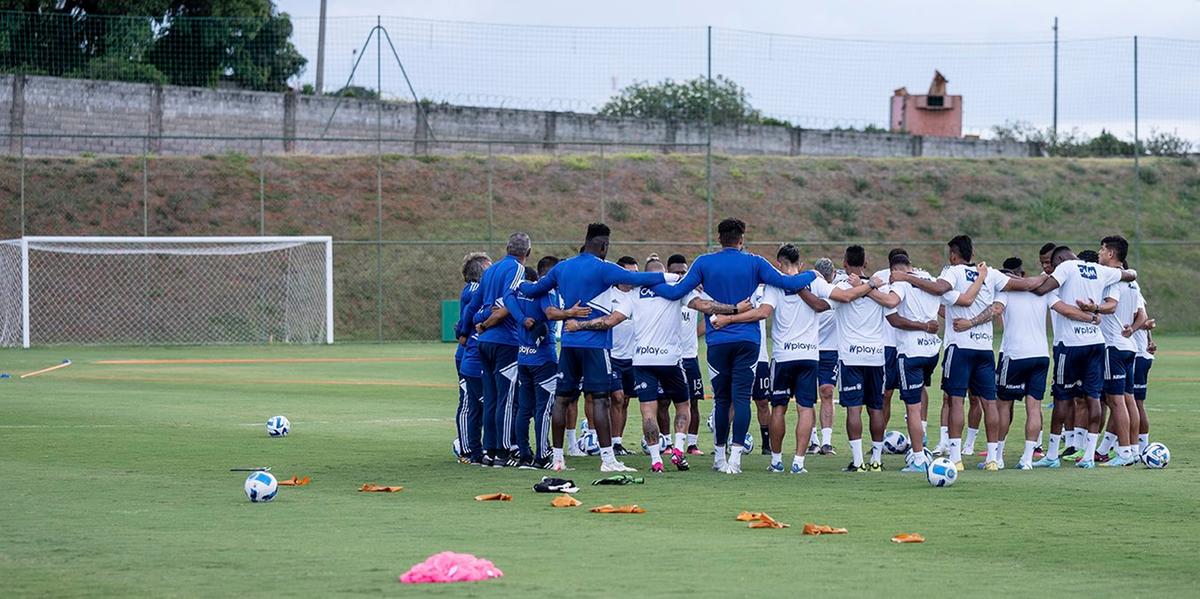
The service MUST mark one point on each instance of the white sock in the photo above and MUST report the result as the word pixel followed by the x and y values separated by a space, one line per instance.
pixel 558 454
pixel 655 454
pixel 681 441
pixel 919 458
pixel 856 451
pixel 876 452
pixel 1107 444
pixel 943 436
pixel 693 439
pixel 1055 442
pixel 616 441
pixel 993 450
pixel 1089 450
pixel 1080 438
pixel 1143 441
pixel 826 436
pixel 955 450
pixel 1027 455
pixel 1125 451
pixel 812 438
pixel 606 455
pixel 798 461
pixel 776 458
pixel 735 454
pixel 924 428
pixel 1039 441
pixel 970 443
pixel 718 455
pixel 1000 450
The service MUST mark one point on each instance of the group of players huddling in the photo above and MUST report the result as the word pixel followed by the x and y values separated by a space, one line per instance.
pixel 627 333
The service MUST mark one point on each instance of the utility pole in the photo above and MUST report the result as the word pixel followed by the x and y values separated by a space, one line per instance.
pixel 320 86
pixel 1054 121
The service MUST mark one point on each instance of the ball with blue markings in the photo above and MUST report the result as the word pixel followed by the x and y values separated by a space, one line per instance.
pixel 895 442
pixel 748 443
pixel 1156 456
pixel 278 426
pixel 261 487
pixel 941 472
pixel 588 443
pixel 664 444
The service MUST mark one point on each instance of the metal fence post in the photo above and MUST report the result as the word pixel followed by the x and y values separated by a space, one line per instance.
pixel 490 200
pixel 262 200
pixel 708 125
pixel 22 186
pixel 602 173
pixel 145 187
pixel 1054 118
pixel 1137 169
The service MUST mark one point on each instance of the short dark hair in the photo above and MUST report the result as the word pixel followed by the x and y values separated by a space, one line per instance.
pixel 730 231
pixel 595 230
pixel 1013 263
pixel 1047 248
pixel 856 256
pixel 1059 250
pixel 788 252
pixel 676 259
pixel 896 252
pixel 546 263
pixel 1117 244
pixel 962 246
pixel 1089 256
pixel 627 261
pixel 898 258
pixel 531 274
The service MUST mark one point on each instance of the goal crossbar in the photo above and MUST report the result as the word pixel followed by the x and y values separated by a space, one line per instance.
pixel 18 251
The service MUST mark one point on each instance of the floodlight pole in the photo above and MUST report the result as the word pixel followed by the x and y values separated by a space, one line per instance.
pixel 1137 169
pixel 708 191
pixel 1054 118
pixel 320 83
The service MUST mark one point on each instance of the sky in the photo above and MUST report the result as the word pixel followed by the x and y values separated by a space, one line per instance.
pixel 816 64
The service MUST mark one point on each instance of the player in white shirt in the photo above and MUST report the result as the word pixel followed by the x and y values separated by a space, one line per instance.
pixel 827 343
pixel 1079 347
pixel 761 392
pixel 891 372
pixel 918 346
pixel 1120 354
pixel 795 359
pixel 622 367
pixel 1141 368
pixel 860 360
pixel 969 364
pixel 1024 357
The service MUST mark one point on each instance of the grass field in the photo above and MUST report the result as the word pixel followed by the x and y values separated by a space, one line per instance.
pixel 114 481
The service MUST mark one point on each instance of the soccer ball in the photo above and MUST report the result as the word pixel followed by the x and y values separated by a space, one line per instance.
pixel 748 443
pixel 709 422
pixel 261 487
pixel 583 426
pixel 663 444
pixel 941 472
pixel 587 443
pixel 895 442
pixel 456 447
pixel 278 426
pixel 1156 456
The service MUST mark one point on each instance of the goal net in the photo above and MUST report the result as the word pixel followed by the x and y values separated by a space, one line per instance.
pixel 166 290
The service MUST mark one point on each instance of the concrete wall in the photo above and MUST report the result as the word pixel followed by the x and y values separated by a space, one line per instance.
pixel 150 116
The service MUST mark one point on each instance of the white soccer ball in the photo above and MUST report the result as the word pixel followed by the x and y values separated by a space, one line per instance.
pixel 748 443
pixel 941 472
pixel 278 426
pixel 895 442
pixel 583 426
pixel 456 447
pixel 1156 456
pixel 709 422
pixel 261 487
pixel 663 444
pixel 588 443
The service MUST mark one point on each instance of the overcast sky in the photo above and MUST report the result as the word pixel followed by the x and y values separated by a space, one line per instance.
pixel 558 55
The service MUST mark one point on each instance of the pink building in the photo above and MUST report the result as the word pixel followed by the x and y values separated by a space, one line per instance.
pixel 936 113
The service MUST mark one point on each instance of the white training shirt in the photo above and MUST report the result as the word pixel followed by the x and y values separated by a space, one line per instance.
pixel 1111 325
pixel 960 277
pixel 794 325
pixel 891 337
pixel 1079 280
pixel 1025 324
pixel 689 342
pixel 860 330
pixel 622 334
pixel 918 306
pixel 756 301
pixel 612 300
pixel 1141 338
pixel 656 329
pixel 827 337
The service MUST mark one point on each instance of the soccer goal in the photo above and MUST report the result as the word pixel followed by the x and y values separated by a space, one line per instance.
pixel 166 290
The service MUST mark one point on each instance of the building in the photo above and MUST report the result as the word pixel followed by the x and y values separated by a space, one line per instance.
pixel 936 114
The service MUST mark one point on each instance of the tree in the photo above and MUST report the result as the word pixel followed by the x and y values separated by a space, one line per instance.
pixel 164 41
pixel 686 101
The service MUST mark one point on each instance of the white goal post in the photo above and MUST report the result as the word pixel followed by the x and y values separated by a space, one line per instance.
pixel 166 290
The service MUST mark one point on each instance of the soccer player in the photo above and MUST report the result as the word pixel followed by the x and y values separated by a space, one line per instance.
pixel 761 393
pixel 498 349
pixel 1079 346
pixel 469 418
pixel 1120 355
pixel 537 374
pixel 689 331
pixel 796 358
pixel 622 364
pixel 1141 370
pixel 969 363
pixel 730 276
pixel 583 362
pixel 891 375
pixel 827 373
pixel 918 346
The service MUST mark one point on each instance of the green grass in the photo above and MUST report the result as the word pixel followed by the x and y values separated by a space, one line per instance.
pixel 114 481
